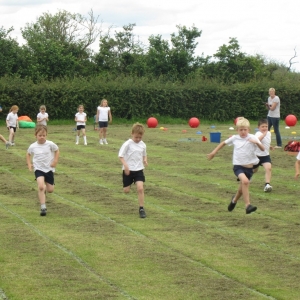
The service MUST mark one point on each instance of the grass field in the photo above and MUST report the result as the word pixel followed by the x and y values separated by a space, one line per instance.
pixel 93 245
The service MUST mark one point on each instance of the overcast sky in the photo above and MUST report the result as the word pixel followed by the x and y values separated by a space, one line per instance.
pixel 265 27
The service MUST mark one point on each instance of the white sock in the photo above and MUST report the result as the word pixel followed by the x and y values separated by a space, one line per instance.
pixel 77 138
pixel 43 206
pixel 84 138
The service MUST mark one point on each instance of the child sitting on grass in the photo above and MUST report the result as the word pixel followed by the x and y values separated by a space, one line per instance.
pixel 244 158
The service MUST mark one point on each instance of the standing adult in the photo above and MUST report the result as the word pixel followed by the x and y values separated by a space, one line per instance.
pixel 273 105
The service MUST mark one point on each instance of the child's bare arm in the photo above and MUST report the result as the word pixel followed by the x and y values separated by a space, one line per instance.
pixel 212 154
pixel 126 168
pixel 145 161
pixel 55 160
pixel 28 159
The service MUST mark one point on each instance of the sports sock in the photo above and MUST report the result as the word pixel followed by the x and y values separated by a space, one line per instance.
pixel 43 206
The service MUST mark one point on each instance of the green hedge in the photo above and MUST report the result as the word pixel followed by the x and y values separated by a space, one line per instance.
pixel 134 98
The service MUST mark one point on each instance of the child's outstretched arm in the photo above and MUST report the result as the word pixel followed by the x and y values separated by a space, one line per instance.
pixel 212 154
pixel 28 159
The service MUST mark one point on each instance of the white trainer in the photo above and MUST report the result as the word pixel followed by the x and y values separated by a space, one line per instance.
pixel 101 142
pixel 268 188
pixel 105 142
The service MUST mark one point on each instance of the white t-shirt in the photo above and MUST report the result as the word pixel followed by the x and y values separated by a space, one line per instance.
pixel 103 113
pixel 298 156
pixel 43 155
pixel 80 118
pixel 266 141
pixel 244 152
pixel 134 154
pixel 42 116
pixel 276 112
pixel 12 119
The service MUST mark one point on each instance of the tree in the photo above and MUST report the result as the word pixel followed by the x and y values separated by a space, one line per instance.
pixel 59 44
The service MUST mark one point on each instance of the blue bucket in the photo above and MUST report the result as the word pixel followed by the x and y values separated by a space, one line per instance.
pixel 215 137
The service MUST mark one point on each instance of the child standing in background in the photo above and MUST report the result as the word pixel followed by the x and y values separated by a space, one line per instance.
pixel 264 156
pixel 103 113
pixel 45 158
pixel 133 156
pixel 80 118
pixel 42 116
pixel 7 144
pixel 12 123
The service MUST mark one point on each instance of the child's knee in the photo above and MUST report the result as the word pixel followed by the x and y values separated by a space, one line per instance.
pixel 126 189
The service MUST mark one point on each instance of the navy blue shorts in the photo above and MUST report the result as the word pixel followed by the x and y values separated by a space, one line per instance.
pixel 262 160
pixel 49 177
pixel 133 176
pixel 103 124
pixel 14 128
pixel 237 169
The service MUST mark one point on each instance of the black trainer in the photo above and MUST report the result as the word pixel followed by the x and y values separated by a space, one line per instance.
pixel 142 213
pixel 250 209
pixel 231 205
pixel 43 212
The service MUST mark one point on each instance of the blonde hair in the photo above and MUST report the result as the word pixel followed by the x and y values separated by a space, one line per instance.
pixel 39 128
pixel 242 122
pixel 138 128
pixel 14 107
pixel 80 105
pixel 272 89
pixel 43 107
pixel 101 103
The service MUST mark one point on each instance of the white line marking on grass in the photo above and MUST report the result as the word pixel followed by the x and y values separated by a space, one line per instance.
pixel 70 253
pixel 215 271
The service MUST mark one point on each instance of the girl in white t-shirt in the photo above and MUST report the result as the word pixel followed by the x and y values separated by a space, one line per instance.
pixel 12 123
pixel 42 117
pixel 102 116
pixel 244 158
pixel 264 156
pixel 80 119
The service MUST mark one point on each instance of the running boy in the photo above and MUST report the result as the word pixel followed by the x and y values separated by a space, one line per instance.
pixel 80 119
pixel 133 156
pixel 264 156
pixel 244 157
pixel 45 158
pixel 42 117
pixel 103 113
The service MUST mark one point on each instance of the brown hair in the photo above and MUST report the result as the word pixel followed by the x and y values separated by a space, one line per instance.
pixel 138 128
pixel 39 128
pixel 14 107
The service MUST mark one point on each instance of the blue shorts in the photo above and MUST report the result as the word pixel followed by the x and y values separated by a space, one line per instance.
pixel 133 176
pixel 14 128
pixel 103 124
pixel 237 169
pixel 262 160
pixel 49 176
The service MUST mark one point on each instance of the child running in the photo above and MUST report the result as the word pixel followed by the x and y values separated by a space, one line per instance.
pixel 42 117
pixel 264 156
pixel 244 157
pixel 80 119
pixel 45 158
pixel 133 156
pixel 103 113
pixel 297 166
pixel 12 123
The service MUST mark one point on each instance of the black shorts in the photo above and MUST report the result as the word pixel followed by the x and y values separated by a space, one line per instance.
pixel 49 177
pixel 79 127
pixel 14 128
pixel 133 176
pixel 237 169
pixel 103 124
pixel 262 160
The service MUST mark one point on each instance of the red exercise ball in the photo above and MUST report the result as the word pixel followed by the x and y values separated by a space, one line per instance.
pixel 152 122
pixel 194 122
pixel 290 120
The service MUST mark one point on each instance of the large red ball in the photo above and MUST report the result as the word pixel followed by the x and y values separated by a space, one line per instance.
pixel 290 120
pixel 152 122
pixel 194 122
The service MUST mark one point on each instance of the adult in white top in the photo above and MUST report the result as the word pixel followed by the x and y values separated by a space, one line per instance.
pixel 102 116
pixel 244 157
pixel 273 106
pixel 42 117
pixel 264 156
